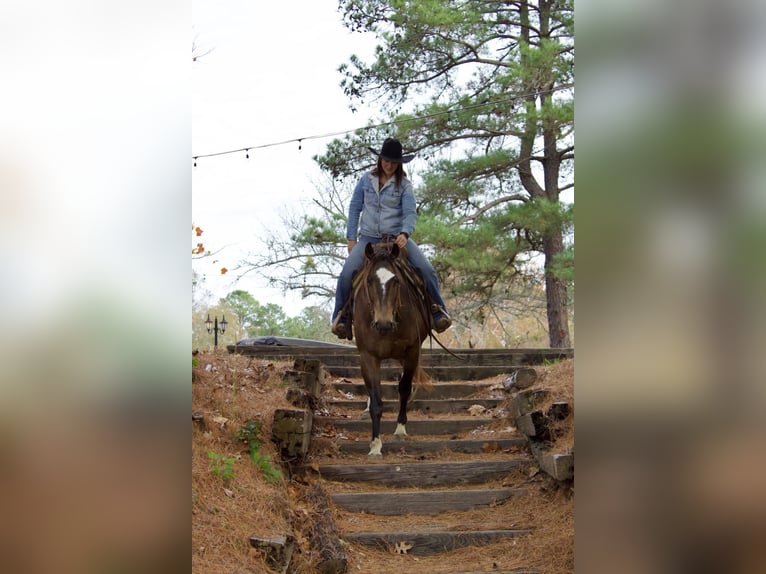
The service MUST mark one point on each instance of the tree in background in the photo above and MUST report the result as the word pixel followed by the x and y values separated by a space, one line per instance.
pixel 248 318
pixel 497 124
pixel 488 87
pixel 256 319
pixel 311 247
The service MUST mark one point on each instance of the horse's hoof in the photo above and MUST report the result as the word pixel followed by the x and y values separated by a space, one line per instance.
pixel 401 432
pixel 375 447
pixel 365 416
pixel 375 454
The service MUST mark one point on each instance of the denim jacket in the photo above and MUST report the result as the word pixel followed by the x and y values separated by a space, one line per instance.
pixel 388 211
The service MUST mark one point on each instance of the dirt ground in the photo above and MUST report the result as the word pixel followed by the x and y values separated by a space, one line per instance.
pixel 235 498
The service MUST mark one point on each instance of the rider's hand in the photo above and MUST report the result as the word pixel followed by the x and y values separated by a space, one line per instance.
pixel 351 243
pixel 401 240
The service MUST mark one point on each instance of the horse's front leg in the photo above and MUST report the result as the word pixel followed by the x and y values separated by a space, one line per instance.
pixel 371 374
pixel 405 390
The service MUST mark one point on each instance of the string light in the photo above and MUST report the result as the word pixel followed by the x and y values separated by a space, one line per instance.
pixel 384 124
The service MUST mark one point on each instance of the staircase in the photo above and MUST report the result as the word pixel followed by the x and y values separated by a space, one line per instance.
pixel 449 499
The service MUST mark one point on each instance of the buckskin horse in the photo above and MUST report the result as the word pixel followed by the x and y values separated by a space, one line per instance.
pixel 391 321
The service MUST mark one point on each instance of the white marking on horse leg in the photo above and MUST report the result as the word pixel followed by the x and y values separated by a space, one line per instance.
pixel 400 431
pixel 366 412
pixel 375 447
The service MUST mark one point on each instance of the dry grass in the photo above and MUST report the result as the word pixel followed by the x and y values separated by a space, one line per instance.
pixel 226 515
pixel 231 391
pixel 558 380
pixel 547 508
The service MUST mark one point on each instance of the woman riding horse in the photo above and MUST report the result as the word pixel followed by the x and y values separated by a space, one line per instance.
pixel 383 205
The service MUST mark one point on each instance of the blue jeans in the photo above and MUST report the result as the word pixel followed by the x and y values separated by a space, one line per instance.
pixel 355 262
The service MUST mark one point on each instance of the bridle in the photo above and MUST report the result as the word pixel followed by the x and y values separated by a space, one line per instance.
pixel 381 256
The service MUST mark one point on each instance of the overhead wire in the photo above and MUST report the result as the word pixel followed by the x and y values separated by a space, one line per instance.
pixel 300 140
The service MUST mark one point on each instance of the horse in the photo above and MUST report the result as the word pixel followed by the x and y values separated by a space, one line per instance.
pixel 391 321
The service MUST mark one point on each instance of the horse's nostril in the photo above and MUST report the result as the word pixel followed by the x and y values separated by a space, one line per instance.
pixel 384 326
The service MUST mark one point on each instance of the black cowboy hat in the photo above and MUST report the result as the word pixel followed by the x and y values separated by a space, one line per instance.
pixel 392 151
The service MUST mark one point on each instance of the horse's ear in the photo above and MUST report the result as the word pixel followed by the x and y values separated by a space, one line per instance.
pixel 369 251
pixel 395 250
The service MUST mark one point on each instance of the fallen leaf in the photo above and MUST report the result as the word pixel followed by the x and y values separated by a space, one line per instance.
pixel 314 466
pixel 476 410
pixel 402 547
pixel 228 493
pixel 221 421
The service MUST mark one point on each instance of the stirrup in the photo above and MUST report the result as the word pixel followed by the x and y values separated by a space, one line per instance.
pixel 440 319
pixel 341 327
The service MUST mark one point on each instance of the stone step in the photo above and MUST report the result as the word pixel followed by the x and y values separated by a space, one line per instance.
pixel 417 474
pixel 426 406
pixel 422 502
pixel 429 543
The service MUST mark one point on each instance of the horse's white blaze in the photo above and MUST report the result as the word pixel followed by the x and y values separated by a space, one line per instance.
pixel 400 430
pixel 384 276
pixel 375 447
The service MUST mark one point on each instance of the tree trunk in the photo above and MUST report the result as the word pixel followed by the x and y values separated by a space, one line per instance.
pixel 556 296
pixel 553 243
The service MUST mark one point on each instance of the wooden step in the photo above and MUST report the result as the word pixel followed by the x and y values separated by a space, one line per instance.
pixel 417 474
pixel 440 373
pixel 429 543
pixel 438 391
pixel 422 502
pixel 431 356
pixel 414 426
pixel 437 406
pixel 433 446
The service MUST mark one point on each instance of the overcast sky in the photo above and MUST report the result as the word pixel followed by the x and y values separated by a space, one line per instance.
pixel 271 76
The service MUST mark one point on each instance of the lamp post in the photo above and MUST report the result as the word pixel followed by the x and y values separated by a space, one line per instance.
pixel 213 327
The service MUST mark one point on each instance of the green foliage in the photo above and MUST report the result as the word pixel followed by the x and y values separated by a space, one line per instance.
pixel 222 466
pixel 264 465
pixel 255 318
pixel 563 265
pixel 250 435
